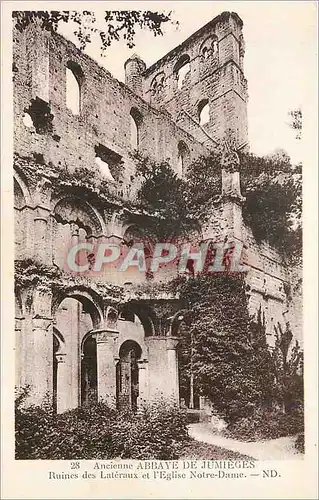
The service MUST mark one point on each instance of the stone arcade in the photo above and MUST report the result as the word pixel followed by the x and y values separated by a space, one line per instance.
pixel 80 341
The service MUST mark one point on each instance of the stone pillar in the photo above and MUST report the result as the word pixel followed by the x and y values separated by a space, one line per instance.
pixel 42 360
pixel 172 378
pixel 231 195
pixel 106 366
pixel 143 381
pixel 62 383
pixel 41 235
pixel 19 352
pixel 74 234
pixel 40 347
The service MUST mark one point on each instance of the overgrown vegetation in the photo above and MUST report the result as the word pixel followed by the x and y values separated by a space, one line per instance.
pixel 226 354
pixel 157 431
pixel 30 274
pixel 271 185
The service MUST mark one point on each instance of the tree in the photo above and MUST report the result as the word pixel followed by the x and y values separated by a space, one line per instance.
pixel 223 361
pixel 119 24
pixel 296 121
pixel 288 364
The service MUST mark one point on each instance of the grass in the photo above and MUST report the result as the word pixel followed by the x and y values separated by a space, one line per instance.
pixel 195 450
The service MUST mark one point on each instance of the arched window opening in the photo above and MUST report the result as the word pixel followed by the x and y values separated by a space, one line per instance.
pixel 183 155
pixel 181 69
pixel 89 372
pixel 215 47
pixel 136 122
pixel 74 77
pixel 203 112
pixel 127 379
pixel 105 169
pixel 209 48
pixel 158 83
pixel 109 161
pixel 27 120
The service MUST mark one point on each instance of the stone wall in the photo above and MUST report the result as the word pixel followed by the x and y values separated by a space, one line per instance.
pixel 216 75
pixel 48 221
pixel 69 140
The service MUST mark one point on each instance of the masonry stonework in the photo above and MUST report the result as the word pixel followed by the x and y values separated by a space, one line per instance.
pixel 87 339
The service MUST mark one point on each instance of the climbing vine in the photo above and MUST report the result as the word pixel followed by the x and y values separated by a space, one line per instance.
pixel 224 355
pixel 225 351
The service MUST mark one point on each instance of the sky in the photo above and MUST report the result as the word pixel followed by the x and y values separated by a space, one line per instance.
pixel 279 65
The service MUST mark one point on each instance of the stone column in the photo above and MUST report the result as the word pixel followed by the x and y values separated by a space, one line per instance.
pixel 142 382
pixel 41 235
pixel 106 366
pixel 172 379
pixel 41 359
pixel 19 352
pixel 40 347
pixel 62 383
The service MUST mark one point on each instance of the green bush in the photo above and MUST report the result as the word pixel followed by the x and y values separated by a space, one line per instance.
pixel 157 431
pixel 300 443
pixel 267 423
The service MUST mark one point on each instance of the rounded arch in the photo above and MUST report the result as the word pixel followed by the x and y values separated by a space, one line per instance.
pixel 58 335
pixel 74 81
pixel 87 297
pixel 129 345
pixel 76 70
pixel 21 185
pixel 134 233
pixel 183 156
pixel 144 313
pixel 181 69
pixel 136 123
pixel 182 61
pixel 72 209
pixel 157 83
pixel 203 111
pixel 84 339
pixel 209 47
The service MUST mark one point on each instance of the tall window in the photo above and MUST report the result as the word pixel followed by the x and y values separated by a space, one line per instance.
pixel 181 69
pixel 136 122
pixel 203 112
pixel 183 155
pixel 74 76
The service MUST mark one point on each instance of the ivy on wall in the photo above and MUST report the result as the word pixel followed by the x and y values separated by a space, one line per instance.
pixel 272 187
pixel 226 351
pixel 222 355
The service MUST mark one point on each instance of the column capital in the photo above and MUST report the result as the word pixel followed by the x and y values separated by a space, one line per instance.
pixel 172 342
pixel 60 357
pixel 104 335
pixel 142 363
pixel 41 323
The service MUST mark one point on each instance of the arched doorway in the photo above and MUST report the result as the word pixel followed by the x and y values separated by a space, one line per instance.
pixel 89 371
pixel 127 379
pixel 75 370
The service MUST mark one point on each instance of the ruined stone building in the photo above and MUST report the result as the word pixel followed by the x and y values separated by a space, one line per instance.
pixel 85 338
